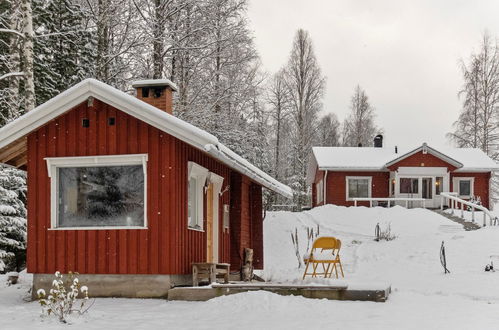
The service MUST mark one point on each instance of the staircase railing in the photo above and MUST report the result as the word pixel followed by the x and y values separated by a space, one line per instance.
pixel 453 200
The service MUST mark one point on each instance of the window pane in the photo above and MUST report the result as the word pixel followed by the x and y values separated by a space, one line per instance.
pixel 408 185
pixel 101 196
pixel 192 202
pixel 439 182
pixel 465 187
pixel 358 188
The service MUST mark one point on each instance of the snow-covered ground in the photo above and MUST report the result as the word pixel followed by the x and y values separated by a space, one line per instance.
pixel 422 296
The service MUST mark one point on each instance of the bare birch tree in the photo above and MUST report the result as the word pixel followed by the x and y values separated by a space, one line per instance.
pixel 328 131
pixel 359 128
pixel 478 123
pixel 306 86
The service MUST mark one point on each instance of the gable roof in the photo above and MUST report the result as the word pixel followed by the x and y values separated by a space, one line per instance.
pixel 196 137
pixel 426 149
pixel 378 159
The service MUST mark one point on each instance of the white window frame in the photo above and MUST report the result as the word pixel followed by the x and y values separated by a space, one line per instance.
pixel 319 188
pixel 53 163
pixel 369 190
pixel 200 173
pixel 456 184
pixel 412 177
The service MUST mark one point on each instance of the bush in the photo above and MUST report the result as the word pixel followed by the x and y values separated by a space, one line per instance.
pixel 61 302
pixel 384 234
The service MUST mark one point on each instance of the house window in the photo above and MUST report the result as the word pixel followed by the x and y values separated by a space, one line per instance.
pixel 358 187
pixel 320 191
pixel 226 214
pixel 439 183
pixel 464 186
pixel 409 185
pixel 98 192
pixel 195 195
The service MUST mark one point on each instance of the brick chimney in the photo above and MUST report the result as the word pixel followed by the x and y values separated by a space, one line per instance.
pixel 156 92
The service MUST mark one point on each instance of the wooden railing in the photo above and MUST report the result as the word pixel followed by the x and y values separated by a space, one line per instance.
pixel 453 200
pixel 389 200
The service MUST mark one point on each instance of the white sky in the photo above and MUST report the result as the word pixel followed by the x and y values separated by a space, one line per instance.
pixel 405 54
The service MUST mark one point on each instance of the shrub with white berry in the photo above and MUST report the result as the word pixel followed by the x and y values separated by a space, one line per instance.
pixel 61 301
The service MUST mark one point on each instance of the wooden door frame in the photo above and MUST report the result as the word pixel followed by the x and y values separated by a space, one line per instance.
pixel 216 181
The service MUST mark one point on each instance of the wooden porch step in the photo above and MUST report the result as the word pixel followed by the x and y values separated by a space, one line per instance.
pixel 209 271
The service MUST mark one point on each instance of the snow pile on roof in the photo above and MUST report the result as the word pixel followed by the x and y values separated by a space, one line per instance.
pixel 345 158
pixel 471 158
pixel 155 82
pixel 131 105
pixel 375 159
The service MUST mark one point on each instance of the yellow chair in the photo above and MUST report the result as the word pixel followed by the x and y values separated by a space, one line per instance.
pixel 329 260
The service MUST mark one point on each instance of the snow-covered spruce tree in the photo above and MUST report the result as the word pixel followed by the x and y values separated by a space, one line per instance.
pixel 359 127
pixel 64 48
pixel 306 86
pixel 12 219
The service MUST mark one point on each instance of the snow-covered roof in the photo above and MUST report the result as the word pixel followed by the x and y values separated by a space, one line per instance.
pixel 168 123
pixel 155 82
pixel 377 159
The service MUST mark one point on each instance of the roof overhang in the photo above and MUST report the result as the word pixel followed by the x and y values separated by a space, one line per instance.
pixel 17 130
pixel 426 149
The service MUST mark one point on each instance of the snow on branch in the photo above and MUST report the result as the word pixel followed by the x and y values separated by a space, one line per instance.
pixel 11 74
pixel 12 31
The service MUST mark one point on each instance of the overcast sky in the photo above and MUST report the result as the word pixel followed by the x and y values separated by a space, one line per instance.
pixel 405 54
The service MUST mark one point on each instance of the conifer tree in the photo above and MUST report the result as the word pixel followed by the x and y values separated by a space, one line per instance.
pixel 64 47
pixel 12 219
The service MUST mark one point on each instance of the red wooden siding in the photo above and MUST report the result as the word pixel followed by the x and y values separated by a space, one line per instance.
pixel 336 186
pixel 422 160
pixel 480 185
pixel 167 246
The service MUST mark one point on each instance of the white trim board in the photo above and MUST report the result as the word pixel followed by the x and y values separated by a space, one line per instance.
pixel 370 184
pixel 53 163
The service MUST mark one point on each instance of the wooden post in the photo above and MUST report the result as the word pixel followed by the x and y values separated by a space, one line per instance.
pixel 195 281
pixel 371 203
pixel 355 203
pixel 247 269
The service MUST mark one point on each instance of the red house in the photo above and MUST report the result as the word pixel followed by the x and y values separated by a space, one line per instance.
pixel 340 174
pixel 127 195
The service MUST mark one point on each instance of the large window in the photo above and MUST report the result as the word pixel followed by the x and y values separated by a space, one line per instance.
pixel 464 186
pixel 98 192
pixel 409 185
pixel 358 187
pixel 195 196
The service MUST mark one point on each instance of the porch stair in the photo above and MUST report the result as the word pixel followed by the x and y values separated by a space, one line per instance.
pixel 468 226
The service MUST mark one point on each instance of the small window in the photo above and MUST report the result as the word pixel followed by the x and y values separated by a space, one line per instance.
pixel 464 187
pixel 439 183
pixel 358 187
pixel 226 215
pixel 320 191
pixel 195 196
pixel 409 185
pixel 98 192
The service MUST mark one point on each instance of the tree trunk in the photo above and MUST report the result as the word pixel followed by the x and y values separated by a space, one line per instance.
pixel 27 52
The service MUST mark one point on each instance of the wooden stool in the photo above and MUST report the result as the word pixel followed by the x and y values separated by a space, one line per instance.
pixel 210 271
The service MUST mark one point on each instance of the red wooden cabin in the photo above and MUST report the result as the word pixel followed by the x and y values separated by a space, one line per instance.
pixel 339 175
pixel 126 194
